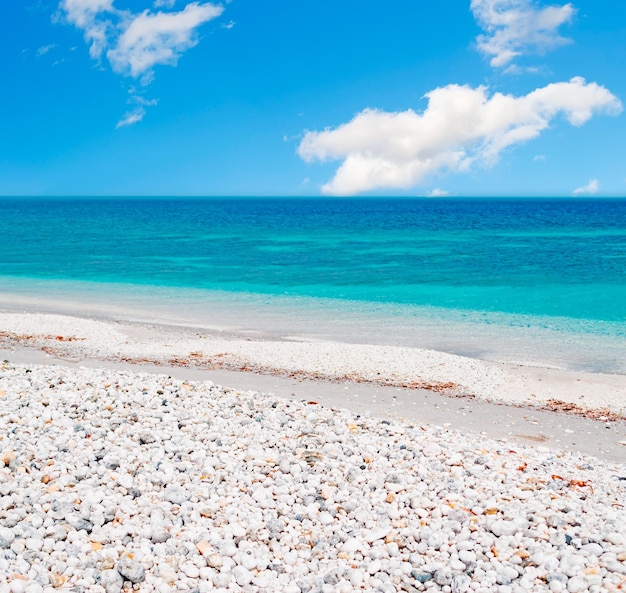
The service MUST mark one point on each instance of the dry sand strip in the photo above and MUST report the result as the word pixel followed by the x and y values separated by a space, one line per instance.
pixel 286 367
pixel 516 425
pixel 78 338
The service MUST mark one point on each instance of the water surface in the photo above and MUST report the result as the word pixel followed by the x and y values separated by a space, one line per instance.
pixel 540 281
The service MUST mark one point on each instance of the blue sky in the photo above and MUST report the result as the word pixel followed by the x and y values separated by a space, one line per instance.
pixel 290 98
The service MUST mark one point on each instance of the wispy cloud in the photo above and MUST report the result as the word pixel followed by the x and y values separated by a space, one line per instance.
pixel 132 117
pixel 516 27
pixel 138 99
pixel 150 39
pixel 42 51
pixel 134 43
pixel 590 188
pixel 461 127
pixel 95 19
pixel 539 158
pixel 138 111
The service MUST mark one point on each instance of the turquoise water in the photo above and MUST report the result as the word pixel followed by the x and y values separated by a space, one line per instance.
pixel 555 264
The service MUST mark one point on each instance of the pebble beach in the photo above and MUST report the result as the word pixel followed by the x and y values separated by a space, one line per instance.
pixel 114 480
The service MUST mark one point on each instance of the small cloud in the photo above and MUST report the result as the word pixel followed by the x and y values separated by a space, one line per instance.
pixel 138 111
pixel 518 70
pixel 590 189
pixel 42 51
pixel 539 158
pixel 131 117
pixel 516 27
pixel 229 25
pixel 437 193
pixel 139 100
pixel 164 3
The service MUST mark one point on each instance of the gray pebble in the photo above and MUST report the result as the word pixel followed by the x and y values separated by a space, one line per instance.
pixel 176 495
pixel 131 570
pixel 79 523
pixel 6 537
pixel 460 583
pixel 443 576
pixel 111 580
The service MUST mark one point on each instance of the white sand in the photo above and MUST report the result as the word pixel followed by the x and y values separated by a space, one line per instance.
pixel 80 338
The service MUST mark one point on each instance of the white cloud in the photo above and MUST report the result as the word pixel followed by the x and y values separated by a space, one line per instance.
pixel 132 117
pixel 42 51
pixel 150 39
pixel 437 193
pixel 135 42
pixel 591 188
pixel 93 17
pixel 518 70
pixel 139 100
pixel 515 27
pixel 460 127
pixel 539 158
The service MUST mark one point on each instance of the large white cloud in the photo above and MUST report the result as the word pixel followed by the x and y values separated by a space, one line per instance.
pixel 513 27
pixel 460 126
pixel 135 42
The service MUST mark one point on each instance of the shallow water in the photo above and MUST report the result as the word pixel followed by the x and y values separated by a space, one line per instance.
pixel 548 342
pixel 537 281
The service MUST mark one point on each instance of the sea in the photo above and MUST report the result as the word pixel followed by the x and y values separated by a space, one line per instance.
pixel 529 281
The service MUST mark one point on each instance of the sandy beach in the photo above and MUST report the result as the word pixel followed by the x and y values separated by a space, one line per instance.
pixel 321 299
pixel 302 357
pixel 581 412
pixel 319 466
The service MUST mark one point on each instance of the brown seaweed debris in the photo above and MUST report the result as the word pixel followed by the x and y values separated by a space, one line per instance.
pixel 221 362
pixel 602 414
pixel 23 338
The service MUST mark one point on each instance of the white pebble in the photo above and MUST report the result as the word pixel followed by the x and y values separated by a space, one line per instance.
pixel 185 485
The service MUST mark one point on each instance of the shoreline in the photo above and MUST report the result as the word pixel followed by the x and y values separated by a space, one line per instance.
pixel 594 347
pixel 564 409
pixel 306 357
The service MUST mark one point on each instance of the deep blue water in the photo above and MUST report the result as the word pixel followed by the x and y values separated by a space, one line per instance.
pixel 564 258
